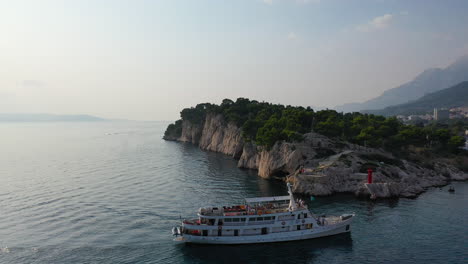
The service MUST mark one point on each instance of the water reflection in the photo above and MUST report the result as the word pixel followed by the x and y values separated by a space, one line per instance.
pixel 283 252
pixel 94 198
pixel 219 174
pixel 371 205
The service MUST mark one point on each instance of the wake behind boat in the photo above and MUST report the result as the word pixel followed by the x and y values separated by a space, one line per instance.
pixel 260 220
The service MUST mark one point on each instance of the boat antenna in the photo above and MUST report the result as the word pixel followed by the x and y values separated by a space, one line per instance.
pixel 292 202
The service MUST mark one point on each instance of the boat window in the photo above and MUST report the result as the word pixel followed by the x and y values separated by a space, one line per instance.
pixel 299 216
pixel 305 215
pixel 273 217
pixel 252 219
pixel 227 220
pixel 235 219
pixel 267 218
pixel 259 218
pixel 242 219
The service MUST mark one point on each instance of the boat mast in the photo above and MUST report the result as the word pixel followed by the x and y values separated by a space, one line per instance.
pixel 292 202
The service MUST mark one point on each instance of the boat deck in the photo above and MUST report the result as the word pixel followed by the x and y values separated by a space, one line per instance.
pixel 260 219
pixel 240 210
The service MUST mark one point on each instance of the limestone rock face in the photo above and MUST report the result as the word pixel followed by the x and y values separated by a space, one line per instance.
pixel 220 137
pixel 171 138
pixel 379 190
pixel 343 173
pixel 282 159
pixel 190 133
pixel 250 157
pixel 319 165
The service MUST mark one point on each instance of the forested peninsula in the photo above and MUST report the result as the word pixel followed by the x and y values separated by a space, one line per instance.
pixel 323 152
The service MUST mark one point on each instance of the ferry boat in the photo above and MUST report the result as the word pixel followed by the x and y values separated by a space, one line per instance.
pixel 260 220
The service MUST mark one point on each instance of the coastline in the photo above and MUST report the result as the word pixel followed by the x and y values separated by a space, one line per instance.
pixel 319 165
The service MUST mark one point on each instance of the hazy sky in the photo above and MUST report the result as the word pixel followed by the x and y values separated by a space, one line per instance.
pixel 147 60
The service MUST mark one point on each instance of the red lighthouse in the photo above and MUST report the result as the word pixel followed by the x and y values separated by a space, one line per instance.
pixel 369 175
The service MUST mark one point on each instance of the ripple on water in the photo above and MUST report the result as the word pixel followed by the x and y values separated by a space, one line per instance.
pixel 96 193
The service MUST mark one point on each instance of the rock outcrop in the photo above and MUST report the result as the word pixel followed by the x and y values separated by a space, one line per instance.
pixel 190 133
pixel 319 165
pixel 219 136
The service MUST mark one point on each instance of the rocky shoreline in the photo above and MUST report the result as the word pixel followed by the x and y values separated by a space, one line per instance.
pixel 319 165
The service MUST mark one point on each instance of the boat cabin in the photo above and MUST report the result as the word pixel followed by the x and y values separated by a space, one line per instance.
pixel 262 219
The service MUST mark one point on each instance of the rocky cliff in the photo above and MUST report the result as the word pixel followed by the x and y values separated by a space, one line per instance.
pixel 319 165
pixel 214 134
pixel 219 136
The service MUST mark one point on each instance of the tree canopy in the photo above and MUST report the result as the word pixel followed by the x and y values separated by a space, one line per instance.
pixel 265 123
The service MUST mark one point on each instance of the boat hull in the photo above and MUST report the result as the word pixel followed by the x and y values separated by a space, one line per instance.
pixel 316 232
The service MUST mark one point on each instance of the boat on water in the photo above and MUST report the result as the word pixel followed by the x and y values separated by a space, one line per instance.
pixel 260 220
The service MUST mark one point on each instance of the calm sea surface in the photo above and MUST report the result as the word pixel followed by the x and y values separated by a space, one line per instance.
pixel 110 193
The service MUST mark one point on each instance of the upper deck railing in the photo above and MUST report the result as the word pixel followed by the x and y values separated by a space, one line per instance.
pixel 246 210
pixel 283 199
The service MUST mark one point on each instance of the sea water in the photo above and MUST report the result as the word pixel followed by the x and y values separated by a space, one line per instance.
pixel 110 192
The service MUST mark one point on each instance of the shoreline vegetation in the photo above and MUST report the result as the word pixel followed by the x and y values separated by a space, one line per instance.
pixel 325 151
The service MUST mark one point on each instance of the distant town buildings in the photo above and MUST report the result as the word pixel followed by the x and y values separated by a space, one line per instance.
pixel 459 112
pixel 438 115
pixel 441 114
pixel 415 118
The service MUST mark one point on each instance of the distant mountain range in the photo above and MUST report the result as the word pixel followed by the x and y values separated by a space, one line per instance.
pixel 429 81
pixel 455 96
pixel 7 117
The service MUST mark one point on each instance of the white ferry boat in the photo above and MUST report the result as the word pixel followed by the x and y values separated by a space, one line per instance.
pixel 260 220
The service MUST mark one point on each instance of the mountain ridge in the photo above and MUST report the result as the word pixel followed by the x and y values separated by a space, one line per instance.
pixel 455 96
pixel 429 81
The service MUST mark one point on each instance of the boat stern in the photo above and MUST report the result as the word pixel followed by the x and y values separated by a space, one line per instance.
pixel 180 239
